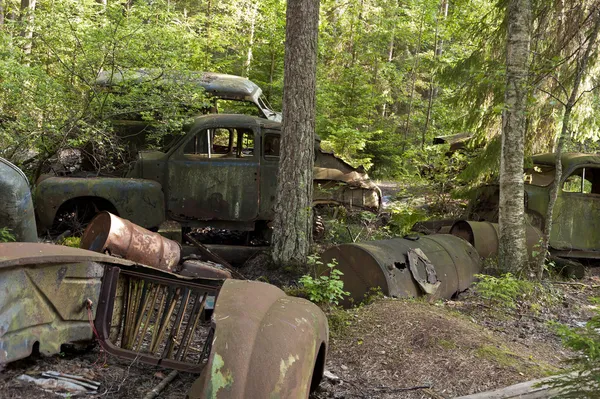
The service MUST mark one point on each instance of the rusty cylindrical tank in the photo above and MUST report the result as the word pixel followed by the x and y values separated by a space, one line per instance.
pixel 130 241
pixel 386 264
pixel 484 236
pixel 16 206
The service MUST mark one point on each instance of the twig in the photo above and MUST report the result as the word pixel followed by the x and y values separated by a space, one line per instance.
pixel 157 389
pixel 575 283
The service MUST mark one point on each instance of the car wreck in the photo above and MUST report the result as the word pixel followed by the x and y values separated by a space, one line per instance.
pixel 222 173
pixel 257 342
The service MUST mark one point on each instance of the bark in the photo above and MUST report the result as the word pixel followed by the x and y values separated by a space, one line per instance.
pixel 293 212
pixel 568 109
pixel 437 53
pixel 414 81
pixel 249 56
pixel 513 250
pixel 27 20
pixel 1 14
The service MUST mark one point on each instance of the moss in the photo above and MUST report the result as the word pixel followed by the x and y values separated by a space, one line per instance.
pixel 447 344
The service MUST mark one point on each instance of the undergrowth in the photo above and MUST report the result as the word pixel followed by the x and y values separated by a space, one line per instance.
pixel 6 235
pixel 509 292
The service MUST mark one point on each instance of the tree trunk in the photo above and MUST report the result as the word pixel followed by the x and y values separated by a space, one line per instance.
pixel 1 14
pixel 293 211
pixel 571 102
pixel 253 14
pixel 27 20
pixel 512 251
pixel 437 52
pixel 414 81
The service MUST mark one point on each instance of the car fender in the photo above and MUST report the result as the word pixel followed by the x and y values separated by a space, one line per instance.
pixel 265 344
pixel 139 200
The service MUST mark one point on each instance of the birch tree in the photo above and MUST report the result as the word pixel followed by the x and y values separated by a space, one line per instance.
pixel 512 251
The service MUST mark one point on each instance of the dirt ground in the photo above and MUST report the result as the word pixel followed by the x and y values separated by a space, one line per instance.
pixel 388 349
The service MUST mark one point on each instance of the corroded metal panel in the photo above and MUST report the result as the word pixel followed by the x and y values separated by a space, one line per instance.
pixel 265 345
pixel 16 206
pixel 45 303
pixel 138 200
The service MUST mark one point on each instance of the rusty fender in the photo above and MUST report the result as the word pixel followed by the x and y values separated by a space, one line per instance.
pixel 138 200
pixel 266 345
pixel 43 289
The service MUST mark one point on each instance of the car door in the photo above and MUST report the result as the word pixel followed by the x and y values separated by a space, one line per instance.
pixel 214 175
pixel 269 167
pixel 576 223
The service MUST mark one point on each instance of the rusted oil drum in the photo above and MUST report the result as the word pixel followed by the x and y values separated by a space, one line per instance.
pixel 386 264
pixel 123 238
pixel 484 236
pixel 16 206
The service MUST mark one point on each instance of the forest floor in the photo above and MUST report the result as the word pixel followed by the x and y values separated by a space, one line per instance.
pixel 389 348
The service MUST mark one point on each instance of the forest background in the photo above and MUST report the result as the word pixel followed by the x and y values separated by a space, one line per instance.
pixel 392 74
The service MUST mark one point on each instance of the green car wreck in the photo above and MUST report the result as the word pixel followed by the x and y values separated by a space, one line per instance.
pixel 222 173
pixel 576 221
pixel 256 343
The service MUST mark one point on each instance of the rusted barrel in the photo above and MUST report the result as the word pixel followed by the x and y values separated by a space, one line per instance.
pixel 484 236
pixel 123 238
pixel 16 206
pixel 440 264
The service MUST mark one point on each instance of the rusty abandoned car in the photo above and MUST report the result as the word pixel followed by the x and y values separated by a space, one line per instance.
pixel 222 173
pixel 258 342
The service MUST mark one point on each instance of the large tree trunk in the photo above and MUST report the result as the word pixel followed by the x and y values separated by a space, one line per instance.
pixel 293 212
pixel 512 253
pixel 569 105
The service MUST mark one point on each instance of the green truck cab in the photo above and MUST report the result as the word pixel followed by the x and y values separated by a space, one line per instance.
pixel 576 217
pixel 222 173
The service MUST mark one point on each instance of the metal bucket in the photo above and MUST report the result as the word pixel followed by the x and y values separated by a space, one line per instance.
pixel 484 236
pixel 446 267
pixel 16 206
pixel 130 241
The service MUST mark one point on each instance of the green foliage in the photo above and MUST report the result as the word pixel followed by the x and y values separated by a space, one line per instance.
pixel 503 291
pixel 6 235
pixel 584 382
pixel 71 242
pixel 325 288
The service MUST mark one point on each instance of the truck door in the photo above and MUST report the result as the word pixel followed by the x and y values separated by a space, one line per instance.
pixel 269 167
pixel 576 223
pixel 214 175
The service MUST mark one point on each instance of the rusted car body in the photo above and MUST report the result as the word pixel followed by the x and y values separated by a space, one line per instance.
pixel 576 220
pixel 16 206
pixel 257 343
pixel 217 86
pixel 222 173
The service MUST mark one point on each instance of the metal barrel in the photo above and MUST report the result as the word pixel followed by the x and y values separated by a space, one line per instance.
pixel 484 236
pixel 130 241
pixel 16 205
pixel 441 264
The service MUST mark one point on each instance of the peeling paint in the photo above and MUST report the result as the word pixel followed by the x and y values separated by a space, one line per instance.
pixel 219 379
pixel 284 366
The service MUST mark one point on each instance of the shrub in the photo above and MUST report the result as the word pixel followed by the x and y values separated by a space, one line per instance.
pixel 326 288
pixel 6 235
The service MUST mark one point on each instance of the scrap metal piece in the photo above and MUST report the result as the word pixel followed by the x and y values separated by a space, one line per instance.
pixel 386 264
pixel 16 205
pixel 156 331
pixel 429 285
pixel 107 232
pixel 484 236
pixel 44 290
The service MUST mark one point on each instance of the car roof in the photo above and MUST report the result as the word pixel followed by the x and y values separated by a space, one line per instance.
pixel 569 159
pixel 237 119
pixel 217 84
